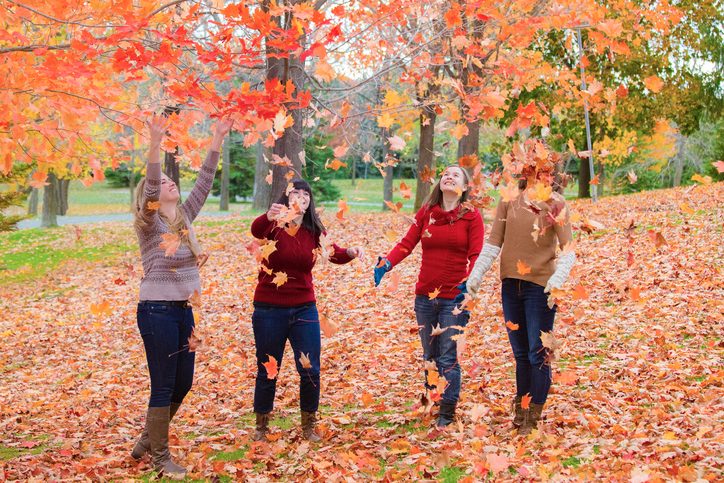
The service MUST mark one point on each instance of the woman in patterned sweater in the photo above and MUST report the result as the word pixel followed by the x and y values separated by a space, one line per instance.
pixel 171 260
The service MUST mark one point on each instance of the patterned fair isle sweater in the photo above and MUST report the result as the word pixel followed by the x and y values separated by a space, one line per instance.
pixel 175 277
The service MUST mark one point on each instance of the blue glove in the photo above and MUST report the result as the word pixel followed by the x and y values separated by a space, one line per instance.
pixel 463 287
pixel 380 271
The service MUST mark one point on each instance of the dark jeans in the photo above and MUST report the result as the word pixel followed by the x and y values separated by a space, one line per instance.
pixel 442 348
pixel 526 304
pixel 165 330
pixel 273 325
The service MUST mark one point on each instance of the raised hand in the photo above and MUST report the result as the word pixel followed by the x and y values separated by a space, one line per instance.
pixel 274 211
pixel 222 128
pixel 157 127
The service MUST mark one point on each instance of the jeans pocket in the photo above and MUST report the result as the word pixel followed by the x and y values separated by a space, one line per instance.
pixel 143 320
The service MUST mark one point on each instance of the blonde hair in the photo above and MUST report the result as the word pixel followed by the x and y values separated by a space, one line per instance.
pixel 435 196
pixel 177 225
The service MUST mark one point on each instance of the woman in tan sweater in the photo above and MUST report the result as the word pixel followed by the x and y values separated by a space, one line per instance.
pixel 527 231
pixel 171 260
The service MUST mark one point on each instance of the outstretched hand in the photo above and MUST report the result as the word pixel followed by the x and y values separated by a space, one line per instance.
pixel 222 128
pixel 157 126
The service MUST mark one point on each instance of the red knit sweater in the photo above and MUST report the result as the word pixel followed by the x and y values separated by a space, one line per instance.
pixel 450 246
pixel 295 256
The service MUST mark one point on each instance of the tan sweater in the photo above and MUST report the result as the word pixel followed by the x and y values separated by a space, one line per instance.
pixel 513 228
pixel 175 277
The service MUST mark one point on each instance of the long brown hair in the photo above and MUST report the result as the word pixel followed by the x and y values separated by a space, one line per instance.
pixel 435 196
pixel 178 225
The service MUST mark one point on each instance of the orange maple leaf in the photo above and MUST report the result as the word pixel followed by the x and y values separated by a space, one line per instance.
pixel 523 268
pixel 102 308
pixel 342 209
pixel 405 191
pixel 525 401
pixel 153 205
pixel 170 243
pixel 335 164
pixel 271 366
pixel 434 293
pixel 512 325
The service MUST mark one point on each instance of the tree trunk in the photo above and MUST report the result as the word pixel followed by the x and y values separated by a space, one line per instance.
pixel 290 144
pixel 170 166
pixel 426 155
pixel 389 172
pixel 33 202
pixel 584 178
pixel 262 189
pixel 132 181
pixel 468 144
pixel 62 193
pixel 354 171
pixel 225 169
pixel 50 202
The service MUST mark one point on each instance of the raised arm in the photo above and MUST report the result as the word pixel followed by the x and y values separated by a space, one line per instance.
pixel 152 189
pixel 193 204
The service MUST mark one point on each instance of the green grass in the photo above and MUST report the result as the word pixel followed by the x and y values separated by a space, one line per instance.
pixel 30 254
pixel 451 474
pixel 237 454
pixel 572 462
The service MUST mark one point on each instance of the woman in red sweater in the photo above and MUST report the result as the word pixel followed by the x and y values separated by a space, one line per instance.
pixel 451 236
pixel 284 302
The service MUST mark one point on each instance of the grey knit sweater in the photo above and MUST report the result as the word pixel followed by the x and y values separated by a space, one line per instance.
pixel 175 277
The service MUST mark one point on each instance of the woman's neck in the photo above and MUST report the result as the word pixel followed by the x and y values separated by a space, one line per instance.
pixel 450 201
pixel 168 210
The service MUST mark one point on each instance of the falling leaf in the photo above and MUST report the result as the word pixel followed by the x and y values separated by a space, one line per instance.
pixel 705 180
pixel 269 177
pixel 280 278
pixel 269 247
pixel 523 268
pixel 170 243
pixel 304 360
pixel 153 205
pixel 329 328
pixel 595 180
pixel 396 207
pixel 512 326
pixel 632 178
pixel 525 401
pixel 194 342
pixel 335 164
pixel 405 191
pixel 719 165
pixel 433 295
pixel 340 151
pixel 509 192
pixel 540 192
pixel 342 208
pixel 195 299
pixel 271 367
pixel 436 330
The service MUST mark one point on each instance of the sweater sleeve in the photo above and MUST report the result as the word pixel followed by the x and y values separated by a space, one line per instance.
pixel 411 239
pixel 151 191
pixel 476 235
pixel 261 227
pixel 193 204
pixel 340 256
pixel 497 233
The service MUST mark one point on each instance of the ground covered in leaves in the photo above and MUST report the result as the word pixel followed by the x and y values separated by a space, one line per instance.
pixel 637 391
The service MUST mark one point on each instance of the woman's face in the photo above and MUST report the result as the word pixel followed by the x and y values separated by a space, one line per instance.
pixel 299 197
pixel 453 181
pixel 169 190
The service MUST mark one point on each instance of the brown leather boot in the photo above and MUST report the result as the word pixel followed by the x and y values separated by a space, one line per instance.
pixel 262 427
pixel 158 420
pixel 532 416
pixel 142 445
pixel 518 412
pixel 309 421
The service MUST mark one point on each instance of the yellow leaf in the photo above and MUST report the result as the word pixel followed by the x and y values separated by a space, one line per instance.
pixel 102 308
pixel 540 192
pixel 434 293
pixel 280 279
pixel 459 131
pixel 267 249
pixel 324 72
pixel 509 192
pixel 385 120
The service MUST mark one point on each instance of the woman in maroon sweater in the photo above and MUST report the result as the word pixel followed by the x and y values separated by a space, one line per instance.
pixel 284 302
pixel 451 236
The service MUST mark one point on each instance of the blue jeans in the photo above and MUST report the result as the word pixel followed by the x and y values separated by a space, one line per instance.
pixel 273 325
pixel 526 304
pixel 442 348
pixel 165 330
